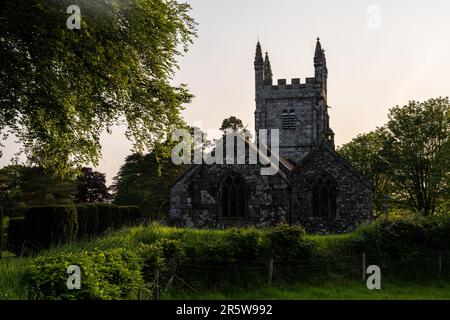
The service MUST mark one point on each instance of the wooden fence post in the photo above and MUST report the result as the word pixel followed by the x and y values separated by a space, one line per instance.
pixel 364 267
pixel 270 271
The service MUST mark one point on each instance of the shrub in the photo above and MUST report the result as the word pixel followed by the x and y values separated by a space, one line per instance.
pixel 50 225
pixel 165 255
pixel 136 215
pixel 15 235
pixel 116 221
pixel 105 275
pixel 104 216
pixel 87 220
pixel 125 216
pixel 287 243
pixel 1 231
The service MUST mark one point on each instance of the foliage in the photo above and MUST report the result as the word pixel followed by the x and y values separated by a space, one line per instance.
pixel 287 243
pixel 1 232
pixel 88 220
pixel 239 258
pixel 408 160
pixel 62 88
pixel 24 186
pixel 146 180
pixel 418 152
pixel 232 123
pixel 91 187
pixel 15 235
pixel 49 226
pixel 106 275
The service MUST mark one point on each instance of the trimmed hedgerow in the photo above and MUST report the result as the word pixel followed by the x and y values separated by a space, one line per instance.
pixel 15 235
pixel 104 216
pixel 87 220
pixel 136 215
pixel 1 231
pixel 50 225
pixel 125 216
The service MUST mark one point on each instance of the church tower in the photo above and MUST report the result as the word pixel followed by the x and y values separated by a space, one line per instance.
pixel 298 110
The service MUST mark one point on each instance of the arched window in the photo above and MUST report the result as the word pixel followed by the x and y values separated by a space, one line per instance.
pixel 233 196
pixel 324 196
pixel 288 119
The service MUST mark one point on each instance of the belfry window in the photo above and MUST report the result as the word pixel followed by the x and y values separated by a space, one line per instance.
pixel 233 196
pixel 324 196
pixel 288 119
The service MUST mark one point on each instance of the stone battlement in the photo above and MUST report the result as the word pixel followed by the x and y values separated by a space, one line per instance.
pixel 293 89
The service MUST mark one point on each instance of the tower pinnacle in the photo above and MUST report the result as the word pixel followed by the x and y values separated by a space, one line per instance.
pixel 267 70
pixel 258 55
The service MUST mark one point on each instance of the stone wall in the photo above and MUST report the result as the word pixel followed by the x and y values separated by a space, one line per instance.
pixel 195 198
pixel 354 193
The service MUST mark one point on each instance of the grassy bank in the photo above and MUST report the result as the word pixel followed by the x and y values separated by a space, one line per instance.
pixel 234 264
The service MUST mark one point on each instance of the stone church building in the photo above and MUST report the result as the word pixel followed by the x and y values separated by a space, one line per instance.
pixel 313 186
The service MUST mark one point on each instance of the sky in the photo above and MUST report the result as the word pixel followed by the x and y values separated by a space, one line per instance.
pixel 379 54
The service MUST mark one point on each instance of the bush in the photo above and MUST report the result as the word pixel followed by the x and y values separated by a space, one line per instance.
pixel 15 235
pixel 136 215
pixel 287 243
pixel 49 226
pixel 105 275
pixel 104 216
pixel 87 220
pixel 116 220
pixel 1 231
pixel 125 216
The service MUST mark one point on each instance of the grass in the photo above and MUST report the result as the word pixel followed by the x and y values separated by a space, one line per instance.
pixel 351 290
pixel 12 270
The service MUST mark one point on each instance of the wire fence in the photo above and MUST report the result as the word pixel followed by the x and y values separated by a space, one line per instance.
pixel 196 275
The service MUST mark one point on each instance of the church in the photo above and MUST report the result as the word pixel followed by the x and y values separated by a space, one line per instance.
pixel 313 187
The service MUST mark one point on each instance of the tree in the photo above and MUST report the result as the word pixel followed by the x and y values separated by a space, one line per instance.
pixel 146 180
pixel 232 123
pixel 365 154
pixel 61 88
pixel 418 152
pixel 91 187
pixel 24 186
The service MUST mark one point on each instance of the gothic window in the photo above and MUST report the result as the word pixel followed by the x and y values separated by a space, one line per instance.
pixel 324 196
pixel 288 119
pixel 233 196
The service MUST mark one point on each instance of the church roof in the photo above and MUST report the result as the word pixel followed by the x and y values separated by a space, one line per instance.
pixel 284 165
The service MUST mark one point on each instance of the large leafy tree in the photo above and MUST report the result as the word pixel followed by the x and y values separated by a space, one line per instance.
pixel 91 187
pixel 408 158
pixel 418 152
pixel 61 88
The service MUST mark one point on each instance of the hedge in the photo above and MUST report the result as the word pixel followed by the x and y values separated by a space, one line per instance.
pixel 15 235
pixel 1 231
pixel 87 220
pixel 50 225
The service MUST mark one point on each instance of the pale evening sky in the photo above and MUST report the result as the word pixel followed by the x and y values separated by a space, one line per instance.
pixel 370 69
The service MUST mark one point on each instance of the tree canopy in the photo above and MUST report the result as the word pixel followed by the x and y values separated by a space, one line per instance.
pixel 408 158
pixel 146 180
pixel 60 88
pixel 91 187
